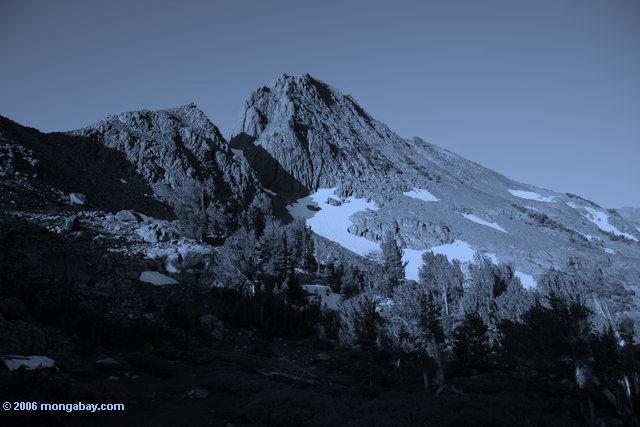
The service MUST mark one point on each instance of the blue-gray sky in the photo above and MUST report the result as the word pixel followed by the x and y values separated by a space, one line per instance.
pixel 546 92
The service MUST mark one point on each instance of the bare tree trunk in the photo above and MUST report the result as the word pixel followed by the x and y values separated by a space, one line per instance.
pixel 446 302
pixel 370 369
pixel 438 358
pixel 425 377
pixel 262 315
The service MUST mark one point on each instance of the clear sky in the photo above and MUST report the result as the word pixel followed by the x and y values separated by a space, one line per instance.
pixel 546 92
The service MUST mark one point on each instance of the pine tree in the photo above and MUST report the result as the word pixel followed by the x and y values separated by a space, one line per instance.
pixel 443 278
pixel 308 250
pixel 293 291
pixel 335 274
pixel 470 343
pixel 352 281
pixel 303 246
pixel 282 261
pixel 392 261
pixel 417 312
pixel 264 253
pixel 362 327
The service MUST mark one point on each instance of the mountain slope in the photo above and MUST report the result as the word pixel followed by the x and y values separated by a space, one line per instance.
pixel 631 214
pixel 186 161
pixel 39 170
pixel 430 197
pixel 160 163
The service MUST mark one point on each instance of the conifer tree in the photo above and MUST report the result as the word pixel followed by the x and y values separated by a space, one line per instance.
pixel 392 261
pixel 470 343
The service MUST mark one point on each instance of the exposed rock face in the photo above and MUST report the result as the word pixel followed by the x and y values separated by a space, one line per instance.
pixel 158 232
pixel 127 215
pixel 157 279
pixel 77 199
pixel 318 136
pixel 185 160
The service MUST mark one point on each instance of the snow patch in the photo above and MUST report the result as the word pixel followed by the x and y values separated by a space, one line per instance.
pixel 420 194
pixel 14 362
pixel 527 280
pixel 273 193
pixel 333 222
pixel 413 261
pixel 530 195
pixel 323 294
pixel 459 250
pixel 609 251
pixel 481 221
pixel 157 279
pixel 601 220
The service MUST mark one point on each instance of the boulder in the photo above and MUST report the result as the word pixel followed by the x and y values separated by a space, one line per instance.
pixel 71 223
pixel 155 232
pixel 14 362
pixel 333 202
pixel 77 199
pixel 127 216
pixel 149 233
pixel 198 393
pixel 157 279
pixel 213 325
pixel 108 364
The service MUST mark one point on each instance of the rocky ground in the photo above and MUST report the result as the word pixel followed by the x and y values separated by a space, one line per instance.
pixel 236 382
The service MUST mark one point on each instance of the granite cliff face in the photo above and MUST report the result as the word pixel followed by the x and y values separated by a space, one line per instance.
pixel 319 138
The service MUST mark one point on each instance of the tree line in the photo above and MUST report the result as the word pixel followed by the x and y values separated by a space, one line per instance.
pixel 455 319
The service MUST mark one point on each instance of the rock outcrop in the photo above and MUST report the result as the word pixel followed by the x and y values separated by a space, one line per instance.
pixel 186 161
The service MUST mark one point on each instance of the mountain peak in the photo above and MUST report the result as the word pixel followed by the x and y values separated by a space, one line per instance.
pixel 149 121
pixel 319 136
